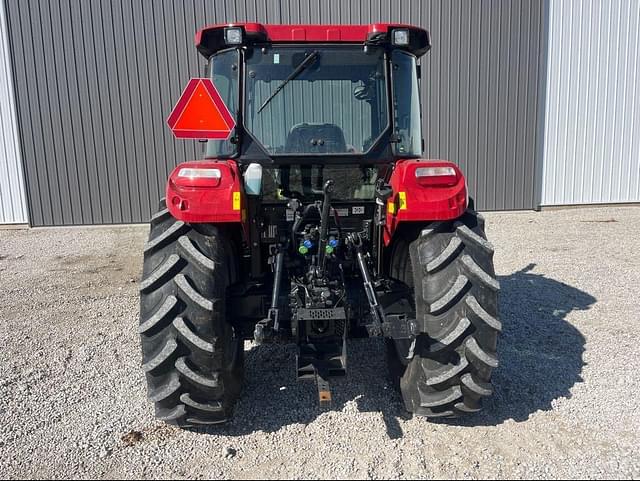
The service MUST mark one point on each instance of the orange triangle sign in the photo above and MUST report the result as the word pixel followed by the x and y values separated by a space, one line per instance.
pixel 201 113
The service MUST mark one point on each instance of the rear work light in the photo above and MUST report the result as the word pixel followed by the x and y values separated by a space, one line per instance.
pixel 233 36
pixel 198 177
pixel 436 176
pixel 400 37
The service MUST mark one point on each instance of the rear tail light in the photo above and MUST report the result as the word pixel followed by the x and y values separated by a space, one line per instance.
pixel 198 177
pixel 436 176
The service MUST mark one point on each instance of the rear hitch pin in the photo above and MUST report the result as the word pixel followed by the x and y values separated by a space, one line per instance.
pixel 324 390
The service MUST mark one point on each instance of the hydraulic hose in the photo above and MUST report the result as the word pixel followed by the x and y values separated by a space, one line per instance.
pixel 324 226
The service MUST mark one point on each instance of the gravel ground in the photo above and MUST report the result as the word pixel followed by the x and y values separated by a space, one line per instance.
pixel 72 395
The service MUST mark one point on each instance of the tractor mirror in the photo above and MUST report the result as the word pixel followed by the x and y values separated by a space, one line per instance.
pixel 383 192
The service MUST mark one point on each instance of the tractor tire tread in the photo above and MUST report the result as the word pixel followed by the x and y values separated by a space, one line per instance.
pixel 189 336
pixel 159 276
pixel 456 302
pixel 160 316
pixel 166 237
pixel 192 360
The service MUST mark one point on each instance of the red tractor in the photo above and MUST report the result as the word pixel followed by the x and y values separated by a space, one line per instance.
pixel 313 219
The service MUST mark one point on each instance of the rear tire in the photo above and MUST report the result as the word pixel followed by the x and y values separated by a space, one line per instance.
pixel 192 359
pixel 447 371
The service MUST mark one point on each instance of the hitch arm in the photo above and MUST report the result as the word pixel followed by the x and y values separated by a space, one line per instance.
pixel 275 296
pixel 267 327
pixel 377 313
pixel 392 325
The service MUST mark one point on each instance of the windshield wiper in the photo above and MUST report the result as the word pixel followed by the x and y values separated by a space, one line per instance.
pixel 303 65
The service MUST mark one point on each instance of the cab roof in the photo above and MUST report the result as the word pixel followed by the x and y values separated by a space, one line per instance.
pixel 211 38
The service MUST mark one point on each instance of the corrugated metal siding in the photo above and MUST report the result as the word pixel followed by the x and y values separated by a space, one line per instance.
pixel 13 207
pixel 482 95
pixel 592 146
pixel 97 78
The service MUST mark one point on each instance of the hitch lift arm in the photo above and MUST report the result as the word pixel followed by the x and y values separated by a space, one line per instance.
pixel 392 325
pixel 377 313
pixel 269 326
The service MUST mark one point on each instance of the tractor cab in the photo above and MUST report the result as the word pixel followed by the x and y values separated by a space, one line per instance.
pixel 306 94
pixel 313 103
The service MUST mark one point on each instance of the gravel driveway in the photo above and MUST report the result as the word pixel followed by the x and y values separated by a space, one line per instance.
pixel 72 394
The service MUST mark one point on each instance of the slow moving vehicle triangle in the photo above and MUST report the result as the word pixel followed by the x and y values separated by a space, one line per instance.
pixel 201 113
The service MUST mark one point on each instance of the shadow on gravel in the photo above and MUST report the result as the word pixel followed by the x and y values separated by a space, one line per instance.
pixel 273 398
pixel 540 360
pixel 540 352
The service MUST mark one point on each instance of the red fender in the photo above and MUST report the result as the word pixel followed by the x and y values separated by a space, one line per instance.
pixel 207 192
pixel 437 191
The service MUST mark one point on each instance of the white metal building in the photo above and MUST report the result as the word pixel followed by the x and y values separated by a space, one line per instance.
pixel 13 205
pixel 592 114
